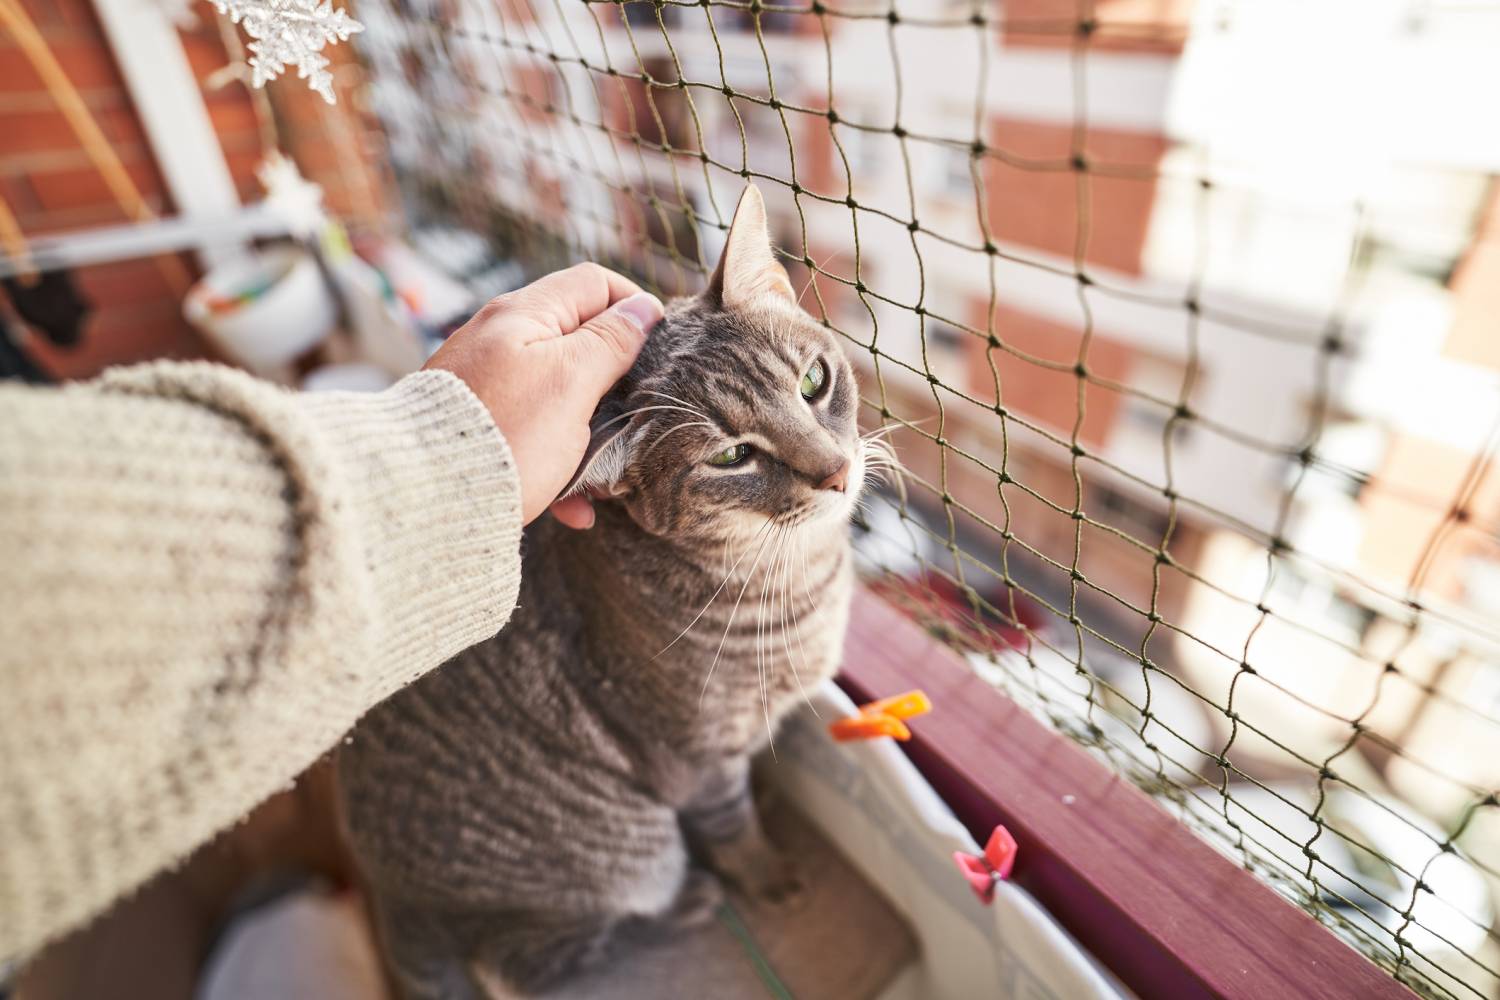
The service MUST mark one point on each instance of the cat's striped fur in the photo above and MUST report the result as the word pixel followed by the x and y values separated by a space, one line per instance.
pixel 521 809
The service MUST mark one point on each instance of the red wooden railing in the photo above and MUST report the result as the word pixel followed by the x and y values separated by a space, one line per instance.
pixel 1164 911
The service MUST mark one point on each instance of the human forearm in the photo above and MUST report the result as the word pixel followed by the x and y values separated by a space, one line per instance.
pixel 207 580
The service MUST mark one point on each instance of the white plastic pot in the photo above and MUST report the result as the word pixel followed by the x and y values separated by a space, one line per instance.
pixel 287 308
pixel 349 377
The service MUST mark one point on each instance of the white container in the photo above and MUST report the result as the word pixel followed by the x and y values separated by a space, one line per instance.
pixel 350 377
pixel 290 312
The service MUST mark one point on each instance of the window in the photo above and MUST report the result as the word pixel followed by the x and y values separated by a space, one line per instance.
pixel 642 14
pixel 1138 519
pixel 955 172
pixel 944 337
pixel 1317 603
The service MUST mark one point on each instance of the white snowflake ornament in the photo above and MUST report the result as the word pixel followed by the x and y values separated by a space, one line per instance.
pixel 291 32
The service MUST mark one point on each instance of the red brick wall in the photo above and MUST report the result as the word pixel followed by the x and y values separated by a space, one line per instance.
pixel 1036 202
pixel 1400 522
pixel 1046 394
pixel 1475 336
pixel 1120 25
pixel 51 186
pixel 340 146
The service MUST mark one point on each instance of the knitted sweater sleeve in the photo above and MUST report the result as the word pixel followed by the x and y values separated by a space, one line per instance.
pixel 205 581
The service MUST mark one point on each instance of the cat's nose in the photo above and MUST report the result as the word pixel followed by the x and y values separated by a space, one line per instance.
pixel 838 479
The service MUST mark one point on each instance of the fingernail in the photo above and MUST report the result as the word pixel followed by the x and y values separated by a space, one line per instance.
pixel 643 309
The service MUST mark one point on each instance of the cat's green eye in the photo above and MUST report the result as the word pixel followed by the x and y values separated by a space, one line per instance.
pixel 813 379
pixel 733 455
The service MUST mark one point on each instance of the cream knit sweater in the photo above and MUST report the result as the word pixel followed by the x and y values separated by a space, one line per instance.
pixel 204 581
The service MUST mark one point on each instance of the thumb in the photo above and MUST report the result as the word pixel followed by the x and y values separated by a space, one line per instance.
pixel 606 346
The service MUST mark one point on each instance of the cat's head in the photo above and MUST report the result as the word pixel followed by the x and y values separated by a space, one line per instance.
pixel 741 409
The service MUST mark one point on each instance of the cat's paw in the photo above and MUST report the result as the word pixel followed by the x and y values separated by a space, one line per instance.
pixel 770 878
pixel 697 903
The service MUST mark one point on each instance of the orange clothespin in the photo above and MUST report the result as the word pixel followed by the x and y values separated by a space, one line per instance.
pixel 882 718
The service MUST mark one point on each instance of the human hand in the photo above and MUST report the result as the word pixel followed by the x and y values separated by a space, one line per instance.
pixel 540 358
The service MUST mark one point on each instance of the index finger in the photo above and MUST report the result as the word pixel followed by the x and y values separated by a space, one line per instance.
pixel 569 298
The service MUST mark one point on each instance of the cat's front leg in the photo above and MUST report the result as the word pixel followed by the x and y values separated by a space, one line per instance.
pixel 424 952
pixel 723 825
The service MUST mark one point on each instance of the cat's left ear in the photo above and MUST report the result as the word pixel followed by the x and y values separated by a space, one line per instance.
pixel 748 269
pixel 602 470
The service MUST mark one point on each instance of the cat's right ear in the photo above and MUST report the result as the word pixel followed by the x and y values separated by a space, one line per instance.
pixel 748 269
pixel 602 470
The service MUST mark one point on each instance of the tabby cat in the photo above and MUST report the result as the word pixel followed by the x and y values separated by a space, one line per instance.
pixel 560 789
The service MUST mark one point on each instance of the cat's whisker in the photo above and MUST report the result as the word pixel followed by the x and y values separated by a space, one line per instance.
pixel 638 410
pixel 807 596
pixel 729 575
pixel 676 427
pixel 898 425
pixel 883 465
pixel 763 663
pixel 749 575
pixel 678 400
pixel 787 598
pixel 813 276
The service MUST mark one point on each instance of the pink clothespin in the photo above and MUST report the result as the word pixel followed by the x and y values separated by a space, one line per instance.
pixel 994 864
